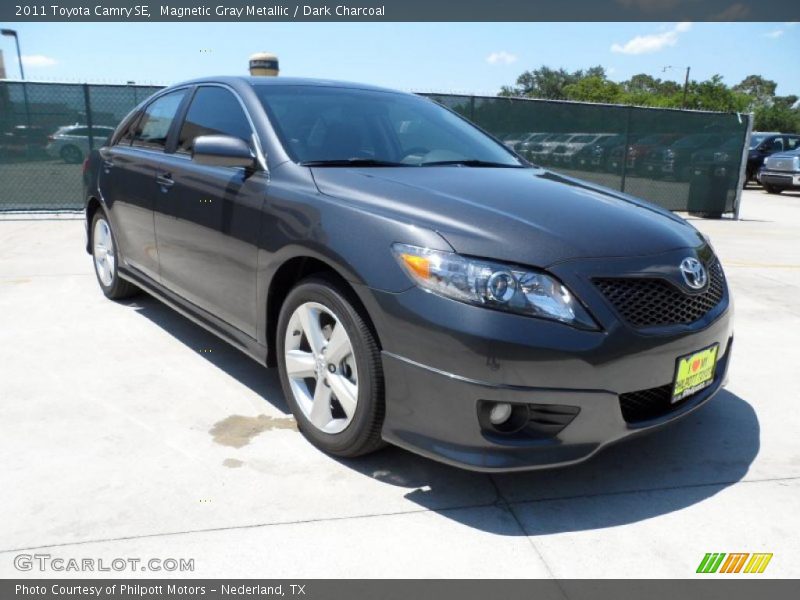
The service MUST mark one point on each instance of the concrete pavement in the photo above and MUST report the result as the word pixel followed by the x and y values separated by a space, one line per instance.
pixel 130 432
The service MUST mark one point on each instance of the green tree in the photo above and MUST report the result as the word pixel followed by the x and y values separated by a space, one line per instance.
pixel 548 83
pixel 594 89
pixel 760 90
pixel 713 94
pixel 777 117
pixel 753 93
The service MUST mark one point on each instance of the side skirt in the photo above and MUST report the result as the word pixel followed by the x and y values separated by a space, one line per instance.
pixel 222 330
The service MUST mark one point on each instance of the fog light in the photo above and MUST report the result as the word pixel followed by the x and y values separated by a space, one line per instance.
pixel 500 413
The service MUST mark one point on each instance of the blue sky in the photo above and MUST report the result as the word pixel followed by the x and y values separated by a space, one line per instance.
pixel 458 57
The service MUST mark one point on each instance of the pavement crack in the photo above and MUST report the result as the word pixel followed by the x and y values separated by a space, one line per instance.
pixel 506 505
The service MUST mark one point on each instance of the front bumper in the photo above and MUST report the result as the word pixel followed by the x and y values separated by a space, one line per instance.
pixel 442 359
pixel 783 179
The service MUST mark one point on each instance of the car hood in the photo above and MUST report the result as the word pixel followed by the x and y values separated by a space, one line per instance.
pixel 528 216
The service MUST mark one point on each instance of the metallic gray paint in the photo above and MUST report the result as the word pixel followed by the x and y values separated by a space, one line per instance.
pixel 216 262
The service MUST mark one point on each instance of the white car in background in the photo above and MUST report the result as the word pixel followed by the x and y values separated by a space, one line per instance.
pixel 71 142
pixel 515 140
pixel 564 154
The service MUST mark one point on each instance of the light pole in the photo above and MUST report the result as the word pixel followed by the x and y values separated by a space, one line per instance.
pixel 685 83
pixel 12 33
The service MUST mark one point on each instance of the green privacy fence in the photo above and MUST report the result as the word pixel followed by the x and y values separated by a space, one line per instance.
pixel 681 160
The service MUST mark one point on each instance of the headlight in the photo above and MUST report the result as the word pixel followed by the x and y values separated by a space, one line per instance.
pixel 493 285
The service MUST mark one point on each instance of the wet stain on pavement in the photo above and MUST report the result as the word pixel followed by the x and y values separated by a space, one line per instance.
pixel 237 430
pixel 232 463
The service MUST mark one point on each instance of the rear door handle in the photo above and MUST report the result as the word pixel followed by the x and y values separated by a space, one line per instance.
pixel 165 180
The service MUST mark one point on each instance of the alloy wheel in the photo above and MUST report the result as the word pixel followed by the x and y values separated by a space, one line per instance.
pixel 321 367
pixel 104 258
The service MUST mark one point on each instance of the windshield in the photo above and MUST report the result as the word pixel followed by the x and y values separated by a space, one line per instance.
pixel 340 125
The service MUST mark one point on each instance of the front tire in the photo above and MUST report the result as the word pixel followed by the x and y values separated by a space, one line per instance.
pixel 71 154
pixel 105 255
pixel 771 189
pixel 330 368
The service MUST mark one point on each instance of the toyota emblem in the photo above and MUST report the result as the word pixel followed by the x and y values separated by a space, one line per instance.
pixel 694 273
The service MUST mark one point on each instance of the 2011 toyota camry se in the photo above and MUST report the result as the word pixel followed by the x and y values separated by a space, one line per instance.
pixel 414 280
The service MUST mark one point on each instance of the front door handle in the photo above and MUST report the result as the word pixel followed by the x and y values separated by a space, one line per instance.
pixel 165 180
pixel 107 165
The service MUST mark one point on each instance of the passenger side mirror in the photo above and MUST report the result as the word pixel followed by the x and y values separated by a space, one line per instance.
pixel 222 151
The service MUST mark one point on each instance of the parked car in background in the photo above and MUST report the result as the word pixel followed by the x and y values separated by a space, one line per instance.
pixel 530 140
pixel 71 142
pixel 22 141
pixel 781 171
pixel 593 157
pixel 723 161
pixel 538 151
pixel 563 155
pixel 638 151
pixel 414 281
pixel 764 144
pixel 513 140
pixel 675 160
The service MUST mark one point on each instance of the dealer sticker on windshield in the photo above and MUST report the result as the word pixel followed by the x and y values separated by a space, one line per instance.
pixel 694 372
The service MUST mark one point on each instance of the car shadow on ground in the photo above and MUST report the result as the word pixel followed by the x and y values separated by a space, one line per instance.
pixel 658 473
pixel 654 474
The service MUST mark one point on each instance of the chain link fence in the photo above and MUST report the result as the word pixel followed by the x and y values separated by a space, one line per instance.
pixel 681 160
pixel 46 130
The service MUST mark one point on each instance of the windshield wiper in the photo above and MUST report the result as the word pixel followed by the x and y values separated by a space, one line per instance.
pixel 352 162
pixel 470 162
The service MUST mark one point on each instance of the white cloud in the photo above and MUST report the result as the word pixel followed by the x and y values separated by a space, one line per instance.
pixel 38 60
pixel 774 34
pixel 645 44
pixel 501 58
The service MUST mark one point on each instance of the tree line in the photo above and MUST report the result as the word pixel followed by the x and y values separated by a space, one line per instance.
pixel 753 94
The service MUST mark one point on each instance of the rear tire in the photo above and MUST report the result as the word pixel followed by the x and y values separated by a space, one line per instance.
pixel 330 368
pixel 105 256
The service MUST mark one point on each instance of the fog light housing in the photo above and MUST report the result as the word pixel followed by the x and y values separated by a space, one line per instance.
pixel 502 417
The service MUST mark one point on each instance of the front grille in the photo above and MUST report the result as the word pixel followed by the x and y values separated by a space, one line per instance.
pixel 651 302
pixel 646 404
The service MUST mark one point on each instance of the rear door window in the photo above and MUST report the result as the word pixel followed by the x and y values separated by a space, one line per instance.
pixel 153 128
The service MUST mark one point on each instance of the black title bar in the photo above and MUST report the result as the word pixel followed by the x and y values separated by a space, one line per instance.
pixel 400 10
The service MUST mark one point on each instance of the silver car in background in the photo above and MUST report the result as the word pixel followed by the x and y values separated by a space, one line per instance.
pixel 71 142
pixel 781 172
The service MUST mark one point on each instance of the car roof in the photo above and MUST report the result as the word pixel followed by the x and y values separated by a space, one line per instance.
pixel 236 81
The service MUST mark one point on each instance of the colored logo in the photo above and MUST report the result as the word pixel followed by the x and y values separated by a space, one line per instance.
pixel 694 273
pixel 735 562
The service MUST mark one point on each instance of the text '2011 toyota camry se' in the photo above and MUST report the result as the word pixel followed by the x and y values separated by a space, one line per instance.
pixel 414 281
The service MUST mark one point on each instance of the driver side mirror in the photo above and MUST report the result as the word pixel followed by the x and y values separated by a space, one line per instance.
pixel 222 151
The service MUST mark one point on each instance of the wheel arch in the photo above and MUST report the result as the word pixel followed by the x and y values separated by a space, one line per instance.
pixel 92 206
pixel 290 273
